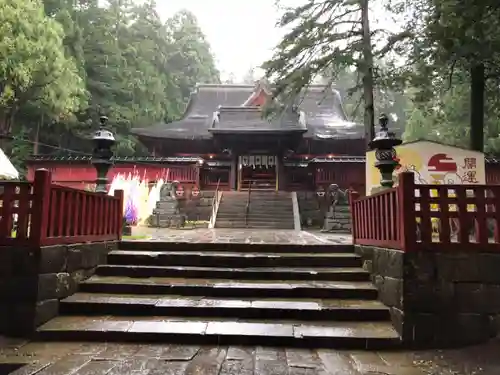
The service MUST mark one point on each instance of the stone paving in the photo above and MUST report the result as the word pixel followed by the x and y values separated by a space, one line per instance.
pixel 251 236
pixel 120 359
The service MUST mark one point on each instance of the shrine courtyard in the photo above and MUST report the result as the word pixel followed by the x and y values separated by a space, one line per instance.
pixel 23 357
pixel 247 236
pixel 79 298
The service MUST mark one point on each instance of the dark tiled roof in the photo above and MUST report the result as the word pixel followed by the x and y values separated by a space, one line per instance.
pixel 124 159
pixel 250 119
pixel 325 115
pixel 198 116
pixel 134 159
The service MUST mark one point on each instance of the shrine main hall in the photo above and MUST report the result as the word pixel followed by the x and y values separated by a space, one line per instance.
pixel 223 139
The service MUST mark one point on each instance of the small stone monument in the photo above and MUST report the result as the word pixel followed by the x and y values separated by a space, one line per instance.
pixel 167 213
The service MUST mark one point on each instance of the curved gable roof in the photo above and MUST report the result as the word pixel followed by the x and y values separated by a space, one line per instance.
pixel 324 114
pixel 198 116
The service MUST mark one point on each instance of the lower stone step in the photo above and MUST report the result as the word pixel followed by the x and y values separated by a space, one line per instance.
pixel 262 273
pixel 232 260
pixel 358 335
pixel 225 288
pixel 239 308
pixel 241 248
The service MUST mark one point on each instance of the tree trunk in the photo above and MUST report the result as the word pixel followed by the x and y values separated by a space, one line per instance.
pixel 5 126
pixel 36 139
pixel 369 113
pixel 477 88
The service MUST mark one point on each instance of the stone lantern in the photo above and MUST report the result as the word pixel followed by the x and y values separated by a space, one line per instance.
pixel 102 154
pixel 383 144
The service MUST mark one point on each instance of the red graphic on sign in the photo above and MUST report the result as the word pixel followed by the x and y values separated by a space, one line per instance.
pixel 442 163
pixel 397 160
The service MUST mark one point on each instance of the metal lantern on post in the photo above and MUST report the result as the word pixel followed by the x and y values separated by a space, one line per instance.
pixel 102 154
pixel 383 144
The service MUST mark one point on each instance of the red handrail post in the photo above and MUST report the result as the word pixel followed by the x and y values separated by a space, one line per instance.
pixel 353 196
pixel 406 207
pixel 40 208
pixel 119 214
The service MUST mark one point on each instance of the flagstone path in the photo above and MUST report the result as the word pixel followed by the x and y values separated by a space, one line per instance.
pixel 98 359
pixel 251 236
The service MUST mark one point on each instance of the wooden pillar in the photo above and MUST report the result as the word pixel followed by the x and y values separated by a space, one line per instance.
pixel 233 175
pixel 280 174
pixel 197 176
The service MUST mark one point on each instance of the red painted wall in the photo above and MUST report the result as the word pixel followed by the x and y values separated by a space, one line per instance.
pixel 82 176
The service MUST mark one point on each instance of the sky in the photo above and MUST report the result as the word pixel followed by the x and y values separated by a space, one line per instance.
pixel 241 33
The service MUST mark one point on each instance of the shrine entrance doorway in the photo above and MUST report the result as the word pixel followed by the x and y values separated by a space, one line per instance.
pixel 258 171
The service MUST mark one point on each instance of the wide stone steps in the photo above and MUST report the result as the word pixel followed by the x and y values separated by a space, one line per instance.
pixel 233 259
pixel 228 294
pixel 259 273
pixel 281 309
pixel 269 215
pixel 352 334
pixel 232 289
pixel 254 224
pixel 268 210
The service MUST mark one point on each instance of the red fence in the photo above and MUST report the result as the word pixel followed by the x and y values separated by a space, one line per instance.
pixel 417 217
pixel 42 213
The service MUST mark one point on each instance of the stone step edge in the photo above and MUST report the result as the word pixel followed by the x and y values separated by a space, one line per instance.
pixel 223 333
pixel 235 254
pixel 341 274
pixel 310 270
pixel 144 307
pixel 242 247
pixel 110 286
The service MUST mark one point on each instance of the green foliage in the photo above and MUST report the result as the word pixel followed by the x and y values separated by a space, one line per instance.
pixel 34 69
pixel 452 39
pixel 65 62
pixel 446 118
pixel 326 38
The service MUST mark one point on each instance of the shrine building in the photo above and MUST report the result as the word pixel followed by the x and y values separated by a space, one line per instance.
pixel 224 140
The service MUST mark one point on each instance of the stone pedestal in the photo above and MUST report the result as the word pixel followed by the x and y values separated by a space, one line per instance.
pixel 338 220
pixel 167 213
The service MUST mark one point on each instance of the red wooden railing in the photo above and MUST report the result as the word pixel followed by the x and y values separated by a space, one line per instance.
pixel 413 217
pixel 49 214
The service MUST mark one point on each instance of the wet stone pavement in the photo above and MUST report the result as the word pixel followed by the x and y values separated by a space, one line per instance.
pixel 119 359
pixel 251 236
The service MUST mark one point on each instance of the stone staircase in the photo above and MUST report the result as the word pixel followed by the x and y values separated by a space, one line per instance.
pixel 267 210
pixel 227 294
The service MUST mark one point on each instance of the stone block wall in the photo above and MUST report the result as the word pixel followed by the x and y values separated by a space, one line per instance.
pixel 33 280
pixel 167 215
pixel 438 298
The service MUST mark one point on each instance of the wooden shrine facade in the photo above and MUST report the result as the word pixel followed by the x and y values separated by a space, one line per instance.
pixel 268 172
pixel 224 140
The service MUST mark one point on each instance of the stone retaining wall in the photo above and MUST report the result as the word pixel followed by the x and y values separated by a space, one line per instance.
pixel 438 298
pixel 33 280
pixel 171 213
